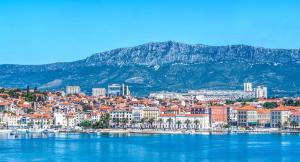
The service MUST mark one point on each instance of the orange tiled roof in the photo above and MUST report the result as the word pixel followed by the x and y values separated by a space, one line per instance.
pixel 247 108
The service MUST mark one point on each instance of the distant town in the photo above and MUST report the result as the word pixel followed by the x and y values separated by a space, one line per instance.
pixel 113 108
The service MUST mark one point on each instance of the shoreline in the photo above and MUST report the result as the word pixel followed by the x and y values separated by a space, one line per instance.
pixel 158 131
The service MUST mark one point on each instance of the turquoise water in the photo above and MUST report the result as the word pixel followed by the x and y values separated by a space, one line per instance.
pixel 150 148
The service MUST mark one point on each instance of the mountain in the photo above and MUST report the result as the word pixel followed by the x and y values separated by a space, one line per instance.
pixel 168 66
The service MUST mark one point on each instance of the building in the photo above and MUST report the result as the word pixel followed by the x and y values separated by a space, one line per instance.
pixel 137 113
pixel 99 92
pixel 70 90
pixel 209 95
pixel 247 116
pixel 248 87
pixel 5 106
pixel 184 121
pixel 218 115
pixel 121 118
pixel 151 113
pixel 59 119
pixel 232 116
pixel 279 117
pixel 295 116
pixel 118 90
pixel 263 117
pixel 261 92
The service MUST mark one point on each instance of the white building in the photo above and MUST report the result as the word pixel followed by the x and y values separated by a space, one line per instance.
pixel 137 112
pixel 295 116
pixel 184 121
pixel 99 92
pixel 247 116
pixel 59 119
pixel 248 87
pixel 279 116
pixel 119 116
pixel 72 90
pixel 261 92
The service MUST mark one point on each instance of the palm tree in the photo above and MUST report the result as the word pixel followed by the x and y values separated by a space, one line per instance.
pixel 151 121
pixel 160 121
pixel 170 120
pixel 294 124
pixel 178 123
pixel 279 125
pixel 116 121
pixel 105 118
pixel 187 122
pixel 143 120
pixel 196 122
pixel 124 121
pixel 133 122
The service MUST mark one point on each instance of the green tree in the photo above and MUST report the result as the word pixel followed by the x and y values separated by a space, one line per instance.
pixel 187 122
pixel 178 123
pixel 294 124
pixel 151 121
pixel 170 120
pixel 270 105
pixel 86 124
pixel 117 121
pixel 105 118
pixel 196 122
pixel 97 125
pixel 160 121
pixel 133 123
pixel 143 120
pixel 124 122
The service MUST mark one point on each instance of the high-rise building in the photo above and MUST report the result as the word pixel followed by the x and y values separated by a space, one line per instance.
pixel 248 87
pixel 72 90
pixel 99 91
pixel 114 90
pixel 261 92
pixel 118 90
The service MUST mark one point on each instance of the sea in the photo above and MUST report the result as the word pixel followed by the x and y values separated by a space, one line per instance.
pixel 149 148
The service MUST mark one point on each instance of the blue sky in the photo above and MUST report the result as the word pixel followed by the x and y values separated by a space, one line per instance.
pixel 38 32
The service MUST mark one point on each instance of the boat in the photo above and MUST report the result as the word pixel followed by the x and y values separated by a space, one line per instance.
pixel 36 130
pixel 5 130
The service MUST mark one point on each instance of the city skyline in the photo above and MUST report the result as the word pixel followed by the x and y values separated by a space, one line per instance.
pixel 62 31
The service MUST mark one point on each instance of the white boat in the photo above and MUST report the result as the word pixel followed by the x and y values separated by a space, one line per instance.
pixel 51 131
pixel 5 130
pixel 22 130
pixel 36 130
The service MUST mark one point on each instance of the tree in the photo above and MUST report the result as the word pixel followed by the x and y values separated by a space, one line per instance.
pixel 178 123
pixel 85 124
pixel 229 102
pixel 97 125
pixel 124 122
pixel 270 105
pixel 105 118
pixel 133 122
pixel 29 110
pixel 143 120
pixel 196 122
pixel 151 121
pixel 160 121
pixel 294 124
pixel 170 120
pixel 116 121
pixel 187 122
pixel 279 125
pixel 227 126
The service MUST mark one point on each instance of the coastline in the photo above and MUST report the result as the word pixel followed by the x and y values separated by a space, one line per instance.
pixel 157 131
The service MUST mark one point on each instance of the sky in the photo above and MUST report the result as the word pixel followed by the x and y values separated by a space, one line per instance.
pixel 48 31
